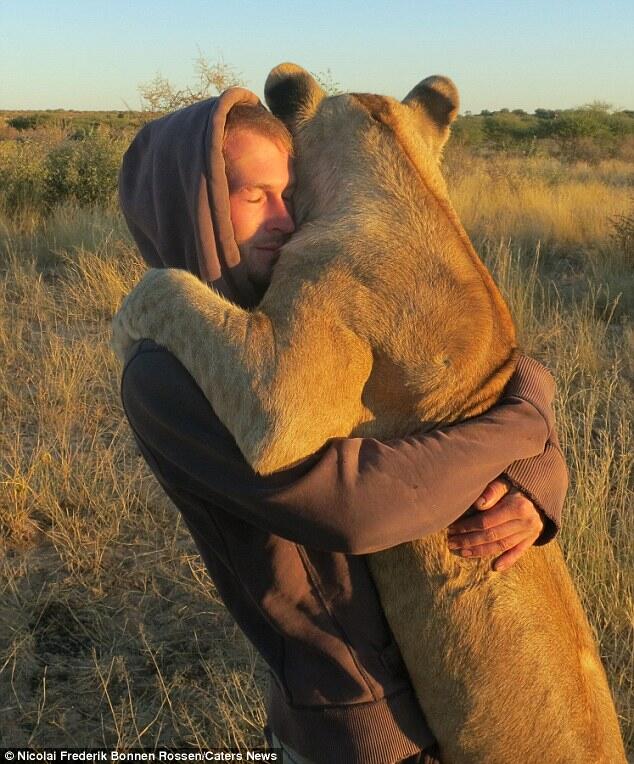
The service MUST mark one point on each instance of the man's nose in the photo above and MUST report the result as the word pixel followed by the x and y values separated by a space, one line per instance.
pixel 282 217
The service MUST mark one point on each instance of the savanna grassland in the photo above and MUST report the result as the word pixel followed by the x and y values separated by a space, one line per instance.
pixel 110 631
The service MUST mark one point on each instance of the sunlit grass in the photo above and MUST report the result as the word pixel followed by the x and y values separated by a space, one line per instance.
pixel 110 630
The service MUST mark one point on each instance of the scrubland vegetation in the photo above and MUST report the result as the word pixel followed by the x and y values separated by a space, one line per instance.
pixel 110 630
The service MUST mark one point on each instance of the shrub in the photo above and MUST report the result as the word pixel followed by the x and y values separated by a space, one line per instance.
pixel 468 132
pixel 622 234
pixel 29 121
pixel 83 171
pixel 506 131
pixel 588 134
pixel 21 175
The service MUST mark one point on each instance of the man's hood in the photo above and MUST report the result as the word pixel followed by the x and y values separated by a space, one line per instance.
pixel 174 195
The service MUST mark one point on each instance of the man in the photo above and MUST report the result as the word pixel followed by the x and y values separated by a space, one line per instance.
pixel 260 178
pixel 208 189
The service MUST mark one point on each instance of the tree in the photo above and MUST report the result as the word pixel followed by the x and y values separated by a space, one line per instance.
pixel 329 84
pixel 160 95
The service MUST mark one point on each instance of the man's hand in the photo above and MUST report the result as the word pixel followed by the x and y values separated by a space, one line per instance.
pixel 506 522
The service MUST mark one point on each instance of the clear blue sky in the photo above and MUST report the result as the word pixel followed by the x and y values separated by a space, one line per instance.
pixel 92 55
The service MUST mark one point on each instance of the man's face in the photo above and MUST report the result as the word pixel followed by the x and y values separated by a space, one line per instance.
pixel 260 178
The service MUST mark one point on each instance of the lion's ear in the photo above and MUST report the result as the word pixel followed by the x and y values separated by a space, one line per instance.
pixel 292 94
pixel 439 99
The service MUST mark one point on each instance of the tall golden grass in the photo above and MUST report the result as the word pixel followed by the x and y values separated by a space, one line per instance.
pixel 110 631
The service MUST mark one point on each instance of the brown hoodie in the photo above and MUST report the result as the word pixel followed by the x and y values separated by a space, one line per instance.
pixel 285 552
pixel 174 195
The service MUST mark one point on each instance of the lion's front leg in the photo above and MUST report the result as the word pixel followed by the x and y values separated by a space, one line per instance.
pixel 146 310
pixel 176 310
pixel 227 350
pixel 281 390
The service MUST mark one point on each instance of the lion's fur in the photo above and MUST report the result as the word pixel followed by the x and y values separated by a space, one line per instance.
pixel 380 319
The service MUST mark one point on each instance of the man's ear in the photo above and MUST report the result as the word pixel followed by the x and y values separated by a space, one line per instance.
pixel 292 94
pixel 438 97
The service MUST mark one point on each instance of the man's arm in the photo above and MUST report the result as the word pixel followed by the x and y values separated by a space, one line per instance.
pixel 357 495
pixel 520 508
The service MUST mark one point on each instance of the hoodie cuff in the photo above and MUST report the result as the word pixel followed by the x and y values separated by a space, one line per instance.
pixel 544 480
pixel 534 383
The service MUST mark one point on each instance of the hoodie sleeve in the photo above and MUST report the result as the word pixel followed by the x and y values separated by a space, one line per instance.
pixel 356 495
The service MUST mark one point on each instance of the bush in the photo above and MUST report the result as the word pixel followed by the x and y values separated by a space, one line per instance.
pixel 468 132
pixel 83 171
pixel 507 131
pixel 622 234
pixel 21 175
pixel 43 168
pixel 29 121
pixel 588 134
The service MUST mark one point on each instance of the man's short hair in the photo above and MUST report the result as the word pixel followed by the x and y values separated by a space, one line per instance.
pixel 257 119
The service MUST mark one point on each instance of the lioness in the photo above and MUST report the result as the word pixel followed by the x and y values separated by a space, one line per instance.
pixel 380 304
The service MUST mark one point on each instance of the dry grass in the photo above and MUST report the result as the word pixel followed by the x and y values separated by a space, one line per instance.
pixel 110 631
pixel 565 208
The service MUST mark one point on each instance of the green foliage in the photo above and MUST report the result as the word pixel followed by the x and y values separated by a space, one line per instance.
pixel 83 171
pixel 505 130
pixel 64 156
pixel 590 133
pixel 21 175
pixel 41 171
pixel 68 122
pixel 29 121
pixel 575 124
pixel 468 131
